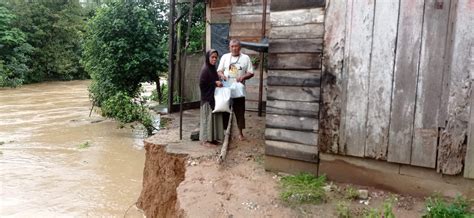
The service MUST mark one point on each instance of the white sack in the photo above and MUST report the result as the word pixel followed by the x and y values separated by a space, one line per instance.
pixel 222 99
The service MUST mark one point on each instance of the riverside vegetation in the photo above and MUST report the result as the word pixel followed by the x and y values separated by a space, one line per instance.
pixel 118 44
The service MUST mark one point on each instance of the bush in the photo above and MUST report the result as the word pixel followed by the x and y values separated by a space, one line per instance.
pixel 351 193
pixel 124 109
pixel 437 207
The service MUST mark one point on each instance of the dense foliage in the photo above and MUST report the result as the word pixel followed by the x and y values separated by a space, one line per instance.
pixel 53 29
pixel 14 51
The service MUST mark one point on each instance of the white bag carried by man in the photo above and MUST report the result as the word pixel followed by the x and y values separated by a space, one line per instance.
pixel 237 89
pixel 222 99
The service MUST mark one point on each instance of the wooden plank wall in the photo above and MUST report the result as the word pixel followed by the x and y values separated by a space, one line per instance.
pixel 381 77
pixel 469 168
pixel 220 11
pixel 395 85
pixel 358 76
pixel 293 95
pixel 246 25
pixel 433 46
pixel 452 147
pixel 405 80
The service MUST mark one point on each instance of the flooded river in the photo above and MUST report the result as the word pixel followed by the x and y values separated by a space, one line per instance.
pixel 55 160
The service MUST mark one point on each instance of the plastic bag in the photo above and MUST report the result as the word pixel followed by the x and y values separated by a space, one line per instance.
pixel 222 99
pixel 237 90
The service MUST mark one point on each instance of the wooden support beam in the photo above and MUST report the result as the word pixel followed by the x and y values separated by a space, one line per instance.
pixel 262 60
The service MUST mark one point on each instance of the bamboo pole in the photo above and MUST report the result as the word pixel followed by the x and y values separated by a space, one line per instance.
pixel 179 60
pixel 182 74
pixel 225 145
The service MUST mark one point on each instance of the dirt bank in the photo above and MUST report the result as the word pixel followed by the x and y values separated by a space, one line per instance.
pixel 162 174
pixel 182 179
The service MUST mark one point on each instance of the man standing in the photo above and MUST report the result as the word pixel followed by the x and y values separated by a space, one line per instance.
pixel 236 67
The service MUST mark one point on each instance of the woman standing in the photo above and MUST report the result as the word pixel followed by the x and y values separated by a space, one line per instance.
pixel 211 129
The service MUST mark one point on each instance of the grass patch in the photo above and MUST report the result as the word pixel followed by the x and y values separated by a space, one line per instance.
pixel 371 213
pixel 84 145
pixel 351 193
pixel 436 207
pixel 388 208
pixel 343 210
pixel 385 212
pixel 302 188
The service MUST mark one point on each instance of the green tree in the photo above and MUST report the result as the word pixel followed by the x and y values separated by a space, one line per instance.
pixel 54 30
pixel 13 51
pixel 123 46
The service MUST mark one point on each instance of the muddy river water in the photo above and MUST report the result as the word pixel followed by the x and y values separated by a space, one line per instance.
pixel 55 160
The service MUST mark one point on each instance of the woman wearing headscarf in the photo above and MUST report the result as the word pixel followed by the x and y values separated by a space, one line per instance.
pixel 211 129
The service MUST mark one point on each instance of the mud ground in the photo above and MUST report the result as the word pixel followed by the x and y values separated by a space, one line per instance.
pixel 240 187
